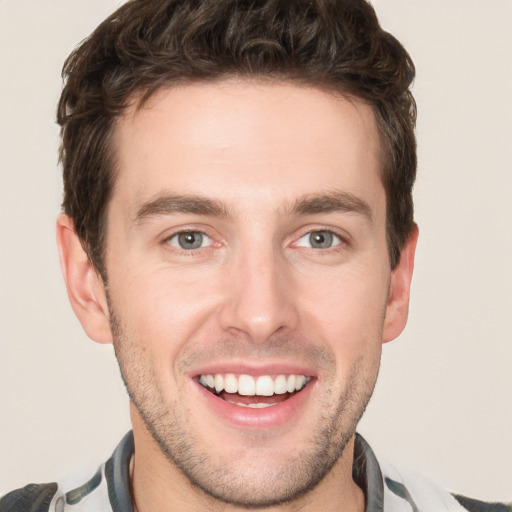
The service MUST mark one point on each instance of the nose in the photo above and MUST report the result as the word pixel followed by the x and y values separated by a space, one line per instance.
pixel 259 297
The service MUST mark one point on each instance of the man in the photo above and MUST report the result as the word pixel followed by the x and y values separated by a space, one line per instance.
pixel 238 223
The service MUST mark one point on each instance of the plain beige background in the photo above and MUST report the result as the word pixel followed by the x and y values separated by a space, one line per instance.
pixel 443 401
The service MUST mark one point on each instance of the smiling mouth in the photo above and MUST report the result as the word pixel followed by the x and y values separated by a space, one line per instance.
pixel 253 392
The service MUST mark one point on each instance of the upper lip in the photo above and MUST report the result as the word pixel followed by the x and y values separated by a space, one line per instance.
pixel 255 370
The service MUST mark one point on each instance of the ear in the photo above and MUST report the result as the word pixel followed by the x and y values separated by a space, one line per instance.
pixel 397 309
pixel 85 287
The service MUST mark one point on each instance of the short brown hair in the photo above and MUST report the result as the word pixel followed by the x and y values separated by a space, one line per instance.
pixel 147 44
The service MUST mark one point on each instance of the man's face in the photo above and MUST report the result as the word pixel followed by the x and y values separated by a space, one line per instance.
pixel 246 253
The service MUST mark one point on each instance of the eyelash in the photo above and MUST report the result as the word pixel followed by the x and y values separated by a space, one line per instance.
pixel 167 240
pixel 341 243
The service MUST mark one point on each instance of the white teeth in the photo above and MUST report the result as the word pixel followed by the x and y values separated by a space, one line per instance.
pixel 280 385
pixel 258 405
pixel 265 386
pixel 290 383
pixel 219 382
pixel 230 383
pixel 247 385
pixel 299 382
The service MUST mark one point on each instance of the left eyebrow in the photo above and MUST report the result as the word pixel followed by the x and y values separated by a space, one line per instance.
pixel 174 204
pixel 331 202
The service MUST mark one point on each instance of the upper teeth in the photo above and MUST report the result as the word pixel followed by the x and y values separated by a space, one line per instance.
pixel 264 385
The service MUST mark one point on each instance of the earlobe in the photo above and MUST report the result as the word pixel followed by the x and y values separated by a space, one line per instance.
pixel 397 309
pixel 84 285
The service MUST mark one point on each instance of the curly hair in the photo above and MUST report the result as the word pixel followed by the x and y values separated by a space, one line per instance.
pixel 336 45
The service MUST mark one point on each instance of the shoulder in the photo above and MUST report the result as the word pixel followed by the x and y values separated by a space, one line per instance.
pixel 105 489
pixel 77 493
pixel 389 488
pixel 31 498
pixel 406 489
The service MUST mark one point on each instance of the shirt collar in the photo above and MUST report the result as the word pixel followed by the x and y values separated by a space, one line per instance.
pixel 365 471
pixel 367 475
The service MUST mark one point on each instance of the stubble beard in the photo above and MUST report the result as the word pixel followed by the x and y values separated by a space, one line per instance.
pixel 168 424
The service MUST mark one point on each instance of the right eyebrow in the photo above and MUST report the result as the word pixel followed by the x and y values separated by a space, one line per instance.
pixel 170 204
pixel 334 201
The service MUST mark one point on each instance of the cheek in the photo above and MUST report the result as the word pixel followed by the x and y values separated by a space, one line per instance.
pixel 348 310
pixel 163 309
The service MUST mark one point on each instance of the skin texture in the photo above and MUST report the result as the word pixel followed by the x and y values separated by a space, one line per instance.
pixel 258 162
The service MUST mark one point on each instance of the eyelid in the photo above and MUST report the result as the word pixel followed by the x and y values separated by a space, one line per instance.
pixel 166 238
pixel 342 236
pixel 337 239
pixel 206 239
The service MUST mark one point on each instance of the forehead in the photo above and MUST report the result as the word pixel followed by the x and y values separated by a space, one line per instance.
pixel 240 140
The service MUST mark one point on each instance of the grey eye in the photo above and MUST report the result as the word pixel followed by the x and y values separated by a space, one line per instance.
pixel 190 240
pixel 321 239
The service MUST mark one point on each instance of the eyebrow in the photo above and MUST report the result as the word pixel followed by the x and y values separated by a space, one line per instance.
pixel 175 204
pixel 314 204
pixel 332 202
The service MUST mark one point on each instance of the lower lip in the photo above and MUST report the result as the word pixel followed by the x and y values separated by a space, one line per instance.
pixel 267 417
